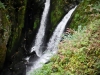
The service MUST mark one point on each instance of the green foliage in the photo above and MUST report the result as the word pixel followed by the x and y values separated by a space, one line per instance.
pixel 90 10
pixel 44 71
pixel 4 35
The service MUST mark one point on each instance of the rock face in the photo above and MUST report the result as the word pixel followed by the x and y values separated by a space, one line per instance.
pixel 4 34
pixel 17 30
pixel 11 24
pixel 16 11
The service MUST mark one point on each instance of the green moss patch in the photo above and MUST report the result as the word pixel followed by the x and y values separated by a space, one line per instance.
pixel 57 11
pixel 16 17
pixel 4 33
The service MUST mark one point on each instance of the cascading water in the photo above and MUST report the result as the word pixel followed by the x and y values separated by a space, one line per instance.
pixel 53 42
pixel 41 32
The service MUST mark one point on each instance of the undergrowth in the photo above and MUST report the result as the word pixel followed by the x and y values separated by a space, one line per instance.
pixel 79 53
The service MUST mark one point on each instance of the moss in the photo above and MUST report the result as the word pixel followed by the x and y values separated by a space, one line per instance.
pixel 4 34
pixel 36 22
pixel 17 15
pixel 57 11
pixel 6 26
pixel 21 16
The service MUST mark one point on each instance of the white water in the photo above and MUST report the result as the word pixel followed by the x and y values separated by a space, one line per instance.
pixel 41 32
pixel 53 42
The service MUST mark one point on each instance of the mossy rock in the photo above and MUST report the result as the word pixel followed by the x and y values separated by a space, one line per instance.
pixel 4 35
pixel 16 13
pixel 57 11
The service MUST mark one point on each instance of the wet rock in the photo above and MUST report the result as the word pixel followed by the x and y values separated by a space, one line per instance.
pixel 19 69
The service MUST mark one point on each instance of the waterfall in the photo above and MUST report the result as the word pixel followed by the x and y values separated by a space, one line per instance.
pixel 41 31
pixel 53 42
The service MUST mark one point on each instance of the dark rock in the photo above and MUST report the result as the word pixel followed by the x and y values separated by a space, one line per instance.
pixel 15 69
